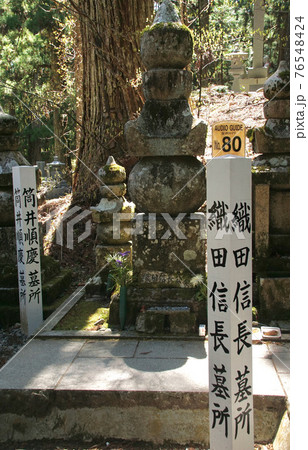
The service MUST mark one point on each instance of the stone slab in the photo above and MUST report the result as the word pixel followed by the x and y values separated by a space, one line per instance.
pixel 172 349
pixel 191 145
pixel 282 362
pixel 277 109
pixel 162 321
pixel 279 209
pixel 266 144
pixel 135 374
pixel 113 348
pixel 39 364
pixel 73 360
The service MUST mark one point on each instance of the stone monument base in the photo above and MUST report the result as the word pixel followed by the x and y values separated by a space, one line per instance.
pixel 163 310
pixel 167 253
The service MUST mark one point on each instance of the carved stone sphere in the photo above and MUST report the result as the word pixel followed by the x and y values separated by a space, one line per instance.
pixel 171 184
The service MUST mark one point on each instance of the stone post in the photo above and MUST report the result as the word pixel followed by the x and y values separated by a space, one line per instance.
pixel 256 75
pixel 229 269
pixel 28 249
pixel 258 26
pixel 167 184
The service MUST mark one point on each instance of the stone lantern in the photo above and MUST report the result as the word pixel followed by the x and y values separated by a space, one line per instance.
pixel 237 69
pixel 56 169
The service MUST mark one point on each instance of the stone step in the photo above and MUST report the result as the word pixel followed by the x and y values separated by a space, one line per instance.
pixel 148 390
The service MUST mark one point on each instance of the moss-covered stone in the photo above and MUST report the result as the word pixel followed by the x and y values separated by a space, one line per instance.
pixel 8 124
pixel 171 119
pixel 274 298
pixel 107 234
pixel 8 276
pixel 113 191
pixel 112 173
pixel 168 185
pixel 50 267
pixel 263 143
pixel 278 85
pixel 166 45
pixel 56 286
pixel 141 145
pixel 167 84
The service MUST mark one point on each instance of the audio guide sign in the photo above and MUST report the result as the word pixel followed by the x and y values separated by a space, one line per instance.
pixel 228 138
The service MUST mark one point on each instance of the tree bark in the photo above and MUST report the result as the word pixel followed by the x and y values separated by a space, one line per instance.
pixel 111 82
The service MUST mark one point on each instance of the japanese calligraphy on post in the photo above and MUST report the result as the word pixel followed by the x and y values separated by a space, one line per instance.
pixel 28 249
pixel 229 229
pixel 228 138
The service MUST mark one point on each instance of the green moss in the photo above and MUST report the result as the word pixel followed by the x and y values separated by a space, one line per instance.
pixel 50 267
pixel 83 316
pixel 285 75
pixel 250 134
pixel 259 169
pixel 111 168
pixel 168 26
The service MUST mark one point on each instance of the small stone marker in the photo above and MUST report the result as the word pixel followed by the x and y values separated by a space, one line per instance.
pixel 229 260
pixel 28 248
pixel 228 138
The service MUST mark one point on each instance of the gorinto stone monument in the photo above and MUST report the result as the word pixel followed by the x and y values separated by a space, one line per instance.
pixel 113 216
pixel 9 158
pixel 167 185
pixel 271 186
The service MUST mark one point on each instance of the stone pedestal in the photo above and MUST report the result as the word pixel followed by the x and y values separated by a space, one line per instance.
pixel 167 184
pixel 271 190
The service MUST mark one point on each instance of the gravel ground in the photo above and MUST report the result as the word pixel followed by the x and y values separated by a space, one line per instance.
pixel 11 340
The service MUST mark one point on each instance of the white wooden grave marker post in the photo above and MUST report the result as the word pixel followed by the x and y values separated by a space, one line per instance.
pixel 229 261
pixel 28 249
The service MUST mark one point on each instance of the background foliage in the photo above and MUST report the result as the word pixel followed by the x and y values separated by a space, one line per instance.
pixel 38 59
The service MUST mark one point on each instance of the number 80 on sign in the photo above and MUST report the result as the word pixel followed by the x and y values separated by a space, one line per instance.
pixel 228 138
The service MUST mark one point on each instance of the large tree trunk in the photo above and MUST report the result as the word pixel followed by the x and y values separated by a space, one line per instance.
pixel 111 82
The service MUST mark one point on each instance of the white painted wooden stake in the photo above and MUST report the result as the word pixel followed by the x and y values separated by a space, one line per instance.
pixel 28 249
pixel 229 229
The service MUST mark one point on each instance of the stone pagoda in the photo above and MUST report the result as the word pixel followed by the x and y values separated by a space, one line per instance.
pixel 9 157
pixel 113 202
pixel 167 185
pixel 271 190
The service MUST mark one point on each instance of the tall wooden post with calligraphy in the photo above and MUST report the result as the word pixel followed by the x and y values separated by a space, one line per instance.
pixel 28 249
pixel 229 303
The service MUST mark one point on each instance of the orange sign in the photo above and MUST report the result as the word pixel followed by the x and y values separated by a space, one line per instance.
pixel 228 138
